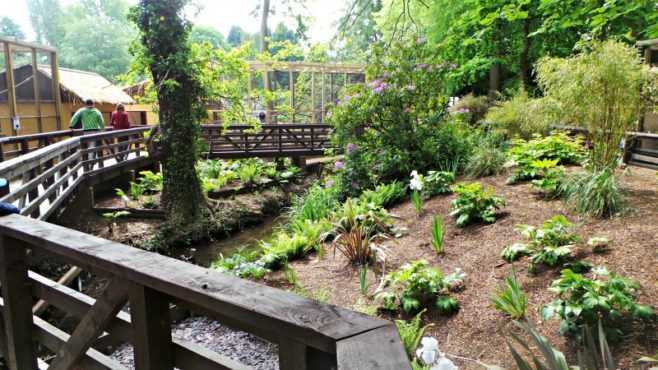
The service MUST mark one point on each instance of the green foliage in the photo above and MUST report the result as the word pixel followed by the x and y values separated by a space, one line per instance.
pixel 363 283
pixel 150 182
pixel 215 174
pixel 551 243
pixel 519 116
pixel 241 266
pixel 315 205
pixel 417 201
pixel 136 190
pixel 527 158
pixel 149 203
pixel 487 160
pixel 550 178
pixel 437 234
pixel 606 296
pixel 113 216
pixel 437 182
pixel 357 232
pixel 384 195
pixel 596 193
pixel 554 359
pixel 248 174
pixel 510 299
pixel 397 121
pixel 604 89
pixel 364 308
pixel 411 332
pixel 598 244
pixel 415 285
pixel 514 251
pixel 10 28
pixel 474 204
pixel 472 107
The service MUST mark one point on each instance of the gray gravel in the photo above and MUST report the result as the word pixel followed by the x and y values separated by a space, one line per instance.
pixel 237 345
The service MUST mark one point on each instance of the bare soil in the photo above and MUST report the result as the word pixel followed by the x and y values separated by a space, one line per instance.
pixel 478 331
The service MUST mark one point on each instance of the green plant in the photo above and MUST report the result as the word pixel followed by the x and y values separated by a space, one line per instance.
pixel 149 203
pixel 514 251
pixel 583 301
pixel 357 242
pixel 364 308
pixel 437 182
pixel 597 194
pixel 136 190
pixel 554 359
pixel 150 182
pixel 487 160
pixel 241 266
pixel 113 216
pixel 315 205
pixel 248 174
pixel 416 284
pixel 437 234
pixel 519 116
pixel 510 299
pixel 473 107
pixel 417 201
pixel 550 243
pixel 550 177
pixel 123 196
pixel 598 243
pixel 527 157
pixel 474 204
pixel 291 275
pixel 384 195
pixel 411 332
pixel 363 282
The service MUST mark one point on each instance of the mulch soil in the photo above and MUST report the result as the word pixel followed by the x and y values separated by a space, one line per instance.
pixel 478 331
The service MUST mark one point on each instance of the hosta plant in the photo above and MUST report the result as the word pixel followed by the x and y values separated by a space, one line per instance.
pixel 604 295
pixel 475 204
pixel 437 182
pixel 416 285
pixel 550 244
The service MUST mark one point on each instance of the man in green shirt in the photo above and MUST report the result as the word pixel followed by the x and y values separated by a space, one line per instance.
pixel 90 118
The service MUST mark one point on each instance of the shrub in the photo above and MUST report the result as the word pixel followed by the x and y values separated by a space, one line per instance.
pixel 519 116
pixel 437 234
pixel 411 332
pixel 357 234
pixel 471 106
pixel 416 284
pixel 550 177
pixel 583 301
pixel 248 174
pixel 603 88
pixel 525 155
pixel 437 182
pixel 510 299
pixel 315 205
pixel 474 204
pixel 597 194
pixel 487 160
pixel 150 182
pixel 136 190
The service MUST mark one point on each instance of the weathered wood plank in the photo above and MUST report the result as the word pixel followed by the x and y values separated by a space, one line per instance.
pixel 149 313
pixel 380 348
pixel 21 349
pixel 114 297
pixel 252 306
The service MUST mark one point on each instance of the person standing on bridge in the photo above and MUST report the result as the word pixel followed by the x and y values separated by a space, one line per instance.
pixel 120 120
pixel 90 120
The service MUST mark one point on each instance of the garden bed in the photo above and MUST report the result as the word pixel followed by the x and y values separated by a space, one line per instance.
pixel 478 331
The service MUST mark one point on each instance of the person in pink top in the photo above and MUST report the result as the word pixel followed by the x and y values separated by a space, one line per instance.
pixel 120 120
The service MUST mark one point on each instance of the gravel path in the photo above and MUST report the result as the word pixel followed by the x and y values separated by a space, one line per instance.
pixel 237 345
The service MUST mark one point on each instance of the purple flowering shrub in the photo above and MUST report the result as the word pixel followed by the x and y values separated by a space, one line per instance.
pixel 398 118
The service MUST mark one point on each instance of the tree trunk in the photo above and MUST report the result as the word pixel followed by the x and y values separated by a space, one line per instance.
pixel 524 65
pixel 264 48
pixel 164 39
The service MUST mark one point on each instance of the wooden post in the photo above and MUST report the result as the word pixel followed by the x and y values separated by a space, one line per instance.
pixel 17 313
pixel 54 73
pixel 149 313
pixel 11 84
pixel 37 93
pixel 647 56
pixel 323 98
pixel 312 96
pixel 291 78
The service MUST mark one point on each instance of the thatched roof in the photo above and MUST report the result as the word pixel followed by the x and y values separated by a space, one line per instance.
pixel 81 85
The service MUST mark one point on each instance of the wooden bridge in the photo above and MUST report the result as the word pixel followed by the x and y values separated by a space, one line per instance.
pixel 43 172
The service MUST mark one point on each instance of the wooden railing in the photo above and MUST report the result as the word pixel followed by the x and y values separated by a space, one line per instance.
pixel 41 180
pixel 272 141
pixel 309 334
pixel 635 152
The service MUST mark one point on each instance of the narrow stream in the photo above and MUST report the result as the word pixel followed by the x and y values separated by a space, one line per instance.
pixel 245 241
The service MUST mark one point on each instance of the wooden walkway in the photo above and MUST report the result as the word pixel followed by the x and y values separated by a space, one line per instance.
pixel 309 334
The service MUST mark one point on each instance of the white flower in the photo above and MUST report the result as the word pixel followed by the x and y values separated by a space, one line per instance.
pixel 429 351
pixel 429 354
pixel 416 183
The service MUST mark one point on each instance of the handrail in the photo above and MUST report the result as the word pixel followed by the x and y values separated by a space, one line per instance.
pixel 310 334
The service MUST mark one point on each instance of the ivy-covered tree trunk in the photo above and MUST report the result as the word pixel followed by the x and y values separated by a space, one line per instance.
pixel 167 54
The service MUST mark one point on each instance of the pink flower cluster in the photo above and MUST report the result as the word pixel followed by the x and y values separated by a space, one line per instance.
pixel 378 86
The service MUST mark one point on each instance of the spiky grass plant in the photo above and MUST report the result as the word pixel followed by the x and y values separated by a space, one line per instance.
pixel 437 234
pixel 510 299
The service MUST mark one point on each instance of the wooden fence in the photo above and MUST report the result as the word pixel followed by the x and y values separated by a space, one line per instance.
pixel 309 334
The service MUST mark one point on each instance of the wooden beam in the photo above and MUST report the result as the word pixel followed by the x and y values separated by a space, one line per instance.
pixel 54 72
pixel 11 84
pixel 364 351
pixel 149 314
pixel 36 90
pixel 66 279
pixel 17 313
pixel 647 56
pixel 112 299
